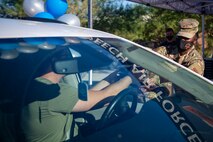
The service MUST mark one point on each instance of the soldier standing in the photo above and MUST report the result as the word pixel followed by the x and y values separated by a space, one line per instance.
pixel 170 43
pixel 188 55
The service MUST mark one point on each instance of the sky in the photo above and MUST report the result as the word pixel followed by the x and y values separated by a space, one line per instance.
pixel 125 2
pixel 128 2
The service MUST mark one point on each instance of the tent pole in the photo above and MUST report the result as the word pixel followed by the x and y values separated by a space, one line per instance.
pixel 203 34
pixel 90 25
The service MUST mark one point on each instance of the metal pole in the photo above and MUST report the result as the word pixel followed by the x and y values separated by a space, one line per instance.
pixel 203 34
pixel 90 25
pixel 90 21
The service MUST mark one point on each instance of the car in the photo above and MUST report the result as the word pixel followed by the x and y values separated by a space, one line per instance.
pixel 145 111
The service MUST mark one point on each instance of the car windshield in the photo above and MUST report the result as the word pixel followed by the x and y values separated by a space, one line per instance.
pixel 89 61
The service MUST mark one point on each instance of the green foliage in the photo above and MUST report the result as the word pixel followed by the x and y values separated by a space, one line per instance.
pixel 126 21
pixel 12 8
pixel 145 24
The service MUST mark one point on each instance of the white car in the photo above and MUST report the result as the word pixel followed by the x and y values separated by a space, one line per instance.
pixel 142 112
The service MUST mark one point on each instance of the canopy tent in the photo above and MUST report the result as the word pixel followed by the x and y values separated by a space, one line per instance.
pixel 188 6
pixel 201 7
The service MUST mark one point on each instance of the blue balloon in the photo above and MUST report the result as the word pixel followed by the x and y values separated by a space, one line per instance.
pixel 55 41
pixel 56 7
pixel 44 15
pixel 34 41
pixel 8 44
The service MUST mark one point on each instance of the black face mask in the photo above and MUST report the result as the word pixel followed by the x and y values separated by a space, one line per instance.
pixel 169 37
pixel 183 44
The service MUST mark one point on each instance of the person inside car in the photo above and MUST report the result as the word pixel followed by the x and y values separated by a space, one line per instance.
pixel 48 116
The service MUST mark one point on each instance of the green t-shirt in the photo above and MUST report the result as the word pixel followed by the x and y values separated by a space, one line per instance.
pixel 50 120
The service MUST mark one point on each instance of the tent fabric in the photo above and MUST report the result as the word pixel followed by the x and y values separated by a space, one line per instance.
pixel 187 6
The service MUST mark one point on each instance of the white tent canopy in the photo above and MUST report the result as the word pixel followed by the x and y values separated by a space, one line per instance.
pixel 201 7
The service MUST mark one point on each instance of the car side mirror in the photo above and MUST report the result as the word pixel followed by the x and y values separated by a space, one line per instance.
pixel 83 91
pixel 65 66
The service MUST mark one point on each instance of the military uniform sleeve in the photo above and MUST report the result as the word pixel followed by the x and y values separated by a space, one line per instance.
pixel 161 50
pixel 196 62
pixel 197 66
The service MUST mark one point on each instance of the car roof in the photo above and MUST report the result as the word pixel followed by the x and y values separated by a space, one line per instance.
pixel 13 28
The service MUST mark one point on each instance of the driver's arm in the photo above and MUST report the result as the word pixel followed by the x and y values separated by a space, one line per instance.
pixel 100 85
pixel 95 96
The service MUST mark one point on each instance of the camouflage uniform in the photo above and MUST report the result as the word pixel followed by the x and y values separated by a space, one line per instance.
pixel 190 58
pixel 171 47
pixel 146 78
pixel 172 54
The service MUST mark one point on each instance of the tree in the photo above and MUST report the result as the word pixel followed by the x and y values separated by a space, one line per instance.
pixel 80 8
pixel 14 8
pixel 126 21
pixel 144 24
pixel 11 8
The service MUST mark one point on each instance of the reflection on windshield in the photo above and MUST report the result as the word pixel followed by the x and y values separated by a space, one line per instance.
pixel 107 53
pixel 154 80
pixel 159 67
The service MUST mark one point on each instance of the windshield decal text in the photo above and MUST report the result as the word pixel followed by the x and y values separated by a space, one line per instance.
pixel 137 71
pixel 179 119
pixel 113 50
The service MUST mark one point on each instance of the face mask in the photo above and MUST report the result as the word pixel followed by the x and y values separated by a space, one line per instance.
pixel 169 37
pixel 184 45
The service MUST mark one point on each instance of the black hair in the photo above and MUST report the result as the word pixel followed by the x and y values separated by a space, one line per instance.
pixel 169 30
pixel 197 35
